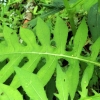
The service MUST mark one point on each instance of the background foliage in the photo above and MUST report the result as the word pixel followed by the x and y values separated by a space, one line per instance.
pixel 53 55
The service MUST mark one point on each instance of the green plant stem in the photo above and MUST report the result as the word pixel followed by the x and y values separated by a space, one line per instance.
pixel 84 59
pixel 70 15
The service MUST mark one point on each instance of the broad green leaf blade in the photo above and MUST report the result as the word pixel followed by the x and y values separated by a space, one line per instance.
pixel 9 93
pixel 46 72
pixel 60 34
pixel 62 84
pixel 72 74
pixel 31 84
pixel 87 75
pixel 94 21
pixel 80 38
pixel 43 32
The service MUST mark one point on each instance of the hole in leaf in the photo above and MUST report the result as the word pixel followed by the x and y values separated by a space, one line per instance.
pixel 87 48
pixel 98 58
pixel 51 37
pixel 77 95
pixel 2 93
pixel 53 43
pixel 23 61
pixel 40 64
pixel 38 41
pixel 54 98
pixel 50 87
pixel 9 80
pixel 1 39
pixel 89 34
pixel 25 96
pixel 90 92
pixel 64 80
pixel 69 98
pixel 7 60
pixel 68 47
pixel 70 35
pixel 3 63
pixel 63 62
pixel 69 44
pixel 86 52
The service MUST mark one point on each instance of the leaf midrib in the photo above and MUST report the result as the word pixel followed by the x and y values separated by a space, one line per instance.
pixel 55 54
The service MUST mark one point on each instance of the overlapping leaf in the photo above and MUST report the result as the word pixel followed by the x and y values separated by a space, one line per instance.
pixel 31 84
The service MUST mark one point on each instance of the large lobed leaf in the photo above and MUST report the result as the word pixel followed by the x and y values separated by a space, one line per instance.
pixel 37 46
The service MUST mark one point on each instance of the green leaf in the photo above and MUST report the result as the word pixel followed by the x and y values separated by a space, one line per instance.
pixel 9 93
pixel 73 77
pixel 37 47
pixel 94 21
pixel 43 32
pixel 80 38
pixel 28 36
pixel 62 84
pixel 31 84
pixel 60 34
